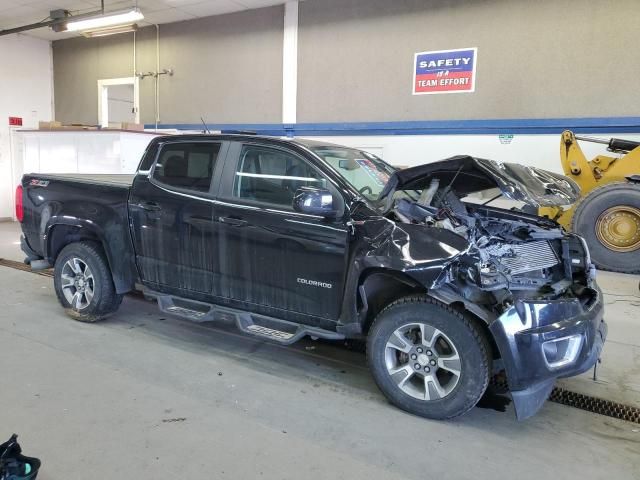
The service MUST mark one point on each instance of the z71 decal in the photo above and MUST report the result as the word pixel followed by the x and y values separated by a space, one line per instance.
pixel 38 183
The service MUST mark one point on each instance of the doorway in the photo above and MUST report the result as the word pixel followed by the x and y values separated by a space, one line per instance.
pixel 118 101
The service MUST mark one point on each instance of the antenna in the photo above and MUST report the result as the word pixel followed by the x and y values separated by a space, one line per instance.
pixel 454 177
pixel 441 198
pixel 206 129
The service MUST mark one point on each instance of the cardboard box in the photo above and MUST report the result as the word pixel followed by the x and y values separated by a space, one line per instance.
pixel 48 125
pixel 79 126
pixel 55 125
pixel 133 127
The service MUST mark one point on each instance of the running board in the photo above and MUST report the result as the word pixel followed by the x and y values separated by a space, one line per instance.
pixel 261 326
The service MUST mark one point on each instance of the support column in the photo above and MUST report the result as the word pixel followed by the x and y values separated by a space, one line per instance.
pixel 290 63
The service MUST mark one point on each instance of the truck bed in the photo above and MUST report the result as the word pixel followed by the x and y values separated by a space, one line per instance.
pixel 121 179
pixel 80 206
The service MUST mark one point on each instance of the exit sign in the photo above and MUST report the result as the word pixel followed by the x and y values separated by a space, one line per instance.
pixel 15 121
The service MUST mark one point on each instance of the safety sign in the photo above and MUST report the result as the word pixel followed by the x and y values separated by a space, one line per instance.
pixel 445 71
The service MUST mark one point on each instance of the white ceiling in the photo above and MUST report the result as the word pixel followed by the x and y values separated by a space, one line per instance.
pixel 14 13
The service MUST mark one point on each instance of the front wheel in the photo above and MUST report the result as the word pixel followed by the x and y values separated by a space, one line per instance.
pixel 428 359
pixel 83 283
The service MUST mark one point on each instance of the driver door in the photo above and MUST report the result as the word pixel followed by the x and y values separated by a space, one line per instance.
pixel 275 260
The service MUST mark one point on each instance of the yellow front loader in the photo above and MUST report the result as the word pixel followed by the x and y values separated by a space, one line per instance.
pixel 607 214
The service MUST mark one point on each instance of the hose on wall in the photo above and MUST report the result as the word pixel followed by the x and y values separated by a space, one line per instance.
pixel 155 75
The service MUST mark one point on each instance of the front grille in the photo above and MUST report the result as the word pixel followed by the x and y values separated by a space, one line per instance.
pixel 524 257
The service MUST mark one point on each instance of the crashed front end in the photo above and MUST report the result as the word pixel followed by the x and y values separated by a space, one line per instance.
pixel 541 340
pixel 531 281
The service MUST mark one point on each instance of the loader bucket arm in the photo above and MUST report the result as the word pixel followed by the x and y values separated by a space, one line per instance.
pixel 623 146
pixel 574 162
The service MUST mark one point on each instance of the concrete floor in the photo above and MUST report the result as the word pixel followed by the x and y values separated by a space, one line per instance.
pixel 146 396
pixel 10 241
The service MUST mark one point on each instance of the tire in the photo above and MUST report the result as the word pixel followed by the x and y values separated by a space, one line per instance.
pixel 589 221
pixel 86 295
pixel 467 339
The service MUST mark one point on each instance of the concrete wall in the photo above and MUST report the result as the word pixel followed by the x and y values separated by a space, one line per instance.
pixel 78 64
pixel 227 68
pixel 25 91
pixel 542 59
pixel 569 61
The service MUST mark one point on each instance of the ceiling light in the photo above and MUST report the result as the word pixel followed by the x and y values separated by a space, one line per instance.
pixel 104 31
pixel 110 20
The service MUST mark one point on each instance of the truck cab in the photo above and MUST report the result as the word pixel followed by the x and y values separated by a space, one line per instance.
pixel 215 220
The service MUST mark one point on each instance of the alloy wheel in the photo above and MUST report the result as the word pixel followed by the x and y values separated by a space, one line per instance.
pixel 78 284
pixel 422 361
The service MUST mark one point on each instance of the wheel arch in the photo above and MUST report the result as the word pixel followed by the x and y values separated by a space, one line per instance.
pixel 478 315
pixel 378 287
pixel 60 233
pixel 381 287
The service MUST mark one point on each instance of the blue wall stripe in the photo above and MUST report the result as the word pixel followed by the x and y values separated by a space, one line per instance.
pixel 432 127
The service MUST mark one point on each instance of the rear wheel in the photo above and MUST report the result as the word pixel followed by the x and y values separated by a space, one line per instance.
pixel 608 218
pixel 427 358
pixel 83 283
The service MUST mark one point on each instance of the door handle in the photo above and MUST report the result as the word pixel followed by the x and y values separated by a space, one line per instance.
pixel 234 222
pixel 149 206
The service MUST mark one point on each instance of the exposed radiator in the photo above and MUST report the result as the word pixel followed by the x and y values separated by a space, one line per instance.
pixel 524 257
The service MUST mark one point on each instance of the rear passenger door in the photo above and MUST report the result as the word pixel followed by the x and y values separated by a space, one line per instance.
pixel 172 213
pixel 274 260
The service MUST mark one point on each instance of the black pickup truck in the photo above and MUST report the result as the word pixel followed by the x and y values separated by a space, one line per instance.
pixel 290 238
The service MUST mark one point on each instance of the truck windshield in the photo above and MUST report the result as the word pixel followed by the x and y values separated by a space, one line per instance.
pixel 364 171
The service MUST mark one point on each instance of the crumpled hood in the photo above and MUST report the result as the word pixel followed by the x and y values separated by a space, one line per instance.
pixel 466 174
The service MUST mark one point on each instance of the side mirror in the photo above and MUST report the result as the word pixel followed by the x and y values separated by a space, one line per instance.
pixel 315 201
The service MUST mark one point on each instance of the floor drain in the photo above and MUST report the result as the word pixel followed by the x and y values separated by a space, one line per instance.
pixel 578 400
pixel 595 405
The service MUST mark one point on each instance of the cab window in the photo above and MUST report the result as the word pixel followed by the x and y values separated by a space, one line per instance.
pixel 272 176
pixel 187 166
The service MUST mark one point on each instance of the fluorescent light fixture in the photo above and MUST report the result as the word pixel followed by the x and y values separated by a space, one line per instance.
pixel 103 32
pixel 110 20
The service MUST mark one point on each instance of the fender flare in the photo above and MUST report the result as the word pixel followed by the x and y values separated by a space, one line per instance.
pixel 122 271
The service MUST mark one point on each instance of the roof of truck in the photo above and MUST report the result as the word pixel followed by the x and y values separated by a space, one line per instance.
pixel 242 137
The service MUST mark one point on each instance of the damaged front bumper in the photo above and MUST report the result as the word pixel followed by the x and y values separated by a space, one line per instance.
pixel 540 341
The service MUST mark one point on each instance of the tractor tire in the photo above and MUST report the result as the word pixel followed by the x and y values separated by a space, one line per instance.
pixel 608 218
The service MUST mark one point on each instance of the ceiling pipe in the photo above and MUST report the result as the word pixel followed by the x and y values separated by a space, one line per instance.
pixel 53 22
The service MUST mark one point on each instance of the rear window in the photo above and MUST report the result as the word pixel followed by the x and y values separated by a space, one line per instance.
pixel 187 166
